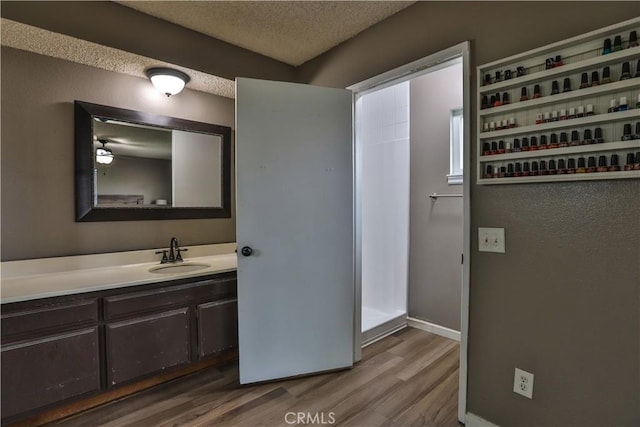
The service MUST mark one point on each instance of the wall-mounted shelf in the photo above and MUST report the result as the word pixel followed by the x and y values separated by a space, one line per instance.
pixel 582 54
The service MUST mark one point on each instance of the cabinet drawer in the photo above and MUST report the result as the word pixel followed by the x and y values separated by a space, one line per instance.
pixel 43 371
pixel 145 345
pixel 49 317
pixel 177 295
pixel 217 327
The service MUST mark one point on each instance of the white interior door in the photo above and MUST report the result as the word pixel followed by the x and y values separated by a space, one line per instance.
pixel 294 167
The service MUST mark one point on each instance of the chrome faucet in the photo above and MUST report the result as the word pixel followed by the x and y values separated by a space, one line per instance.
pixel 174 252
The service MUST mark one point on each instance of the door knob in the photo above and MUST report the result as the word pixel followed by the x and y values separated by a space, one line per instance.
pixel 246 251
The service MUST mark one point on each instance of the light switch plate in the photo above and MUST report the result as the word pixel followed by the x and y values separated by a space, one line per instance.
pixel 491 240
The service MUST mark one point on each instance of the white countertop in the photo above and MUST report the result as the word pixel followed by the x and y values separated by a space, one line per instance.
pixel 33 279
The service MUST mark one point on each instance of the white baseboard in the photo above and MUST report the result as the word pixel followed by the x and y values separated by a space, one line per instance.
pixel 473 420
pixel 433 328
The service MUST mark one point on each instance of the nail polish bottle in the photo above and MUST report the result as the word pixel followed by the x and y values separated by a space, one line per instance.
pixel 613 164
pixel 516 145
pixel 566 85
pixel 587 137
pixel 507 147
pixel 520 71
pixel 582 166
pixel 602 164
pixel 607 46
pixel 485 102
pixel 636 166
pixel 505 98
pixel 510 172
pixel 598 136
pixel 494 147
pixel 553 170
pixel 488 172
pixel 555 89
pixel 558 61
pixel 580 111
pixel 492 126
pixel 518 170
pixel 595 80
pixel 486 149
pixel 543 168
pixel 584 81
pixel 575 138
pixel 525 144
pixel 533 145
pixel 507 75
pixel 563 114
pixel 637 69
pixel 613 106
pixel 630 162
pixel 492 101
pixel 523 94
pixel 503 172
pixel 554 141
pixel 626 71
pixel 626 133
pixel 637 133
pixel 554 116
pixel 591 165
pixel 539 118
pixel 534 168
pixel 606 75
pixel 547 117
pixel 638 101
pixel 617 44
pixel 633 39
pixel 487 79
pixel 571 166
pixel 563 140
pixel 485 127
pixel 536 92
pixel 505 124
pixel 497 102
pixel 525 169
pixel 623 104
pixel 498 77
pixel 501 147
pixel 572 113
pixel 512 122
pixel 562 169
pixel 589 111
pixel 548 64
pixel 543 143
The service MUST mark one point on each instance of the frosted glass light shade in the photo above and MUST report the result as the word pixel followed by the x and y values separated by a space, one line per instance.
pixel 167 80
pixel 104 156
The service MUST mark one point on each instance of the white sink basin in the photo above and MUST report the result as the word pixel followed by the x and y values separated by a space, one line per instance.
pixel 182 267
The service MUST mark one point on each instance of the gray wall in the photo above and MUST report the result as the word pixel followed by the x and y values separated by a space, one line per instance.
pixel 150 178
pixel 564 301
pixel 435 273
pixel 38 158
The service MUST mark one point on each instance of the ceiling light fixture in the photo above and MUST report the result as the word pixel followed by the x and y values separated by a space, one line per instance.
pixel 104 156
pixel 167 80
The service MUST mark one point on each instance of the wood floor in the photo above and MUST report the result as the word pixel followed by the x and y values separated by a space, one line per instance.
pixel 407 379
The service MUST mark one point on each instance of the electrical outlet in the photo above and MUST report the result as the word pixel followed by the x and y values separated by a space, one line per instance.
pixel 523 383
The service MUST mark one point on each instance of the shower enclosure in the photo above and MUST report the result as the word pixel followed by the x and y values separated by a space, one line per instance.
pixel 382 136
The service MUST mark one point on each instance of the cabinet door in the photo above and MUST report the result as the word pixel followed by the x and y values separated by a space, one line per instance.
pixel 147 345
pixel 43 371
pixel 217 327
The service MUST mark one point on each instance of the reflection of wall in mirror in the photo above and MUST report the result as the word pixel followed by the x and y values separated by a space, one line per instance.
pixel 135 175
pixel 197 162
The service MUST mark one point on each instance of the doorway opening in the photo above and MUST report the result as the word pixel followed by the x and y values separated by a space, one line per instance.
pixel 412 142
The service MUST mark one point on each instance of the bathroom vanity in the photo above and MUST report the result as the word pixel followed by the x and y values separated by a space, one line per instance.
pixel 112 334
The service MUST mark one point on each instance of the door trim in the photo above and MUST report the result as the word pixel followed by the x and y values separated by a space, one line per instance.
pixel 405 72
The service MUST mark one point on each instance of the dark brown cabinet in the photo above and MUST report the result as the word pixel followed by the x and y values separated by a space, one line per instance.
pixel 58 350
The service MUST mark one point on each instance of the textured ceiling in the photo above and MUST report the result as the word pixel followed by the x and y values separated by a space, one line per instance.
pixel 289 31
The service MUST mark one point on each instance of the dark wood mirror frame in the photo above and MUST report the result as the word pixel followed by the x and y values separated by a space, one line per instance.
pixel 84 154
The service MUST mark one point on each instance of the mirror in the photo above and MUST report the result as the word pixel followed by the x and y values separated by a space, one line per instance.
pixel 132 165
